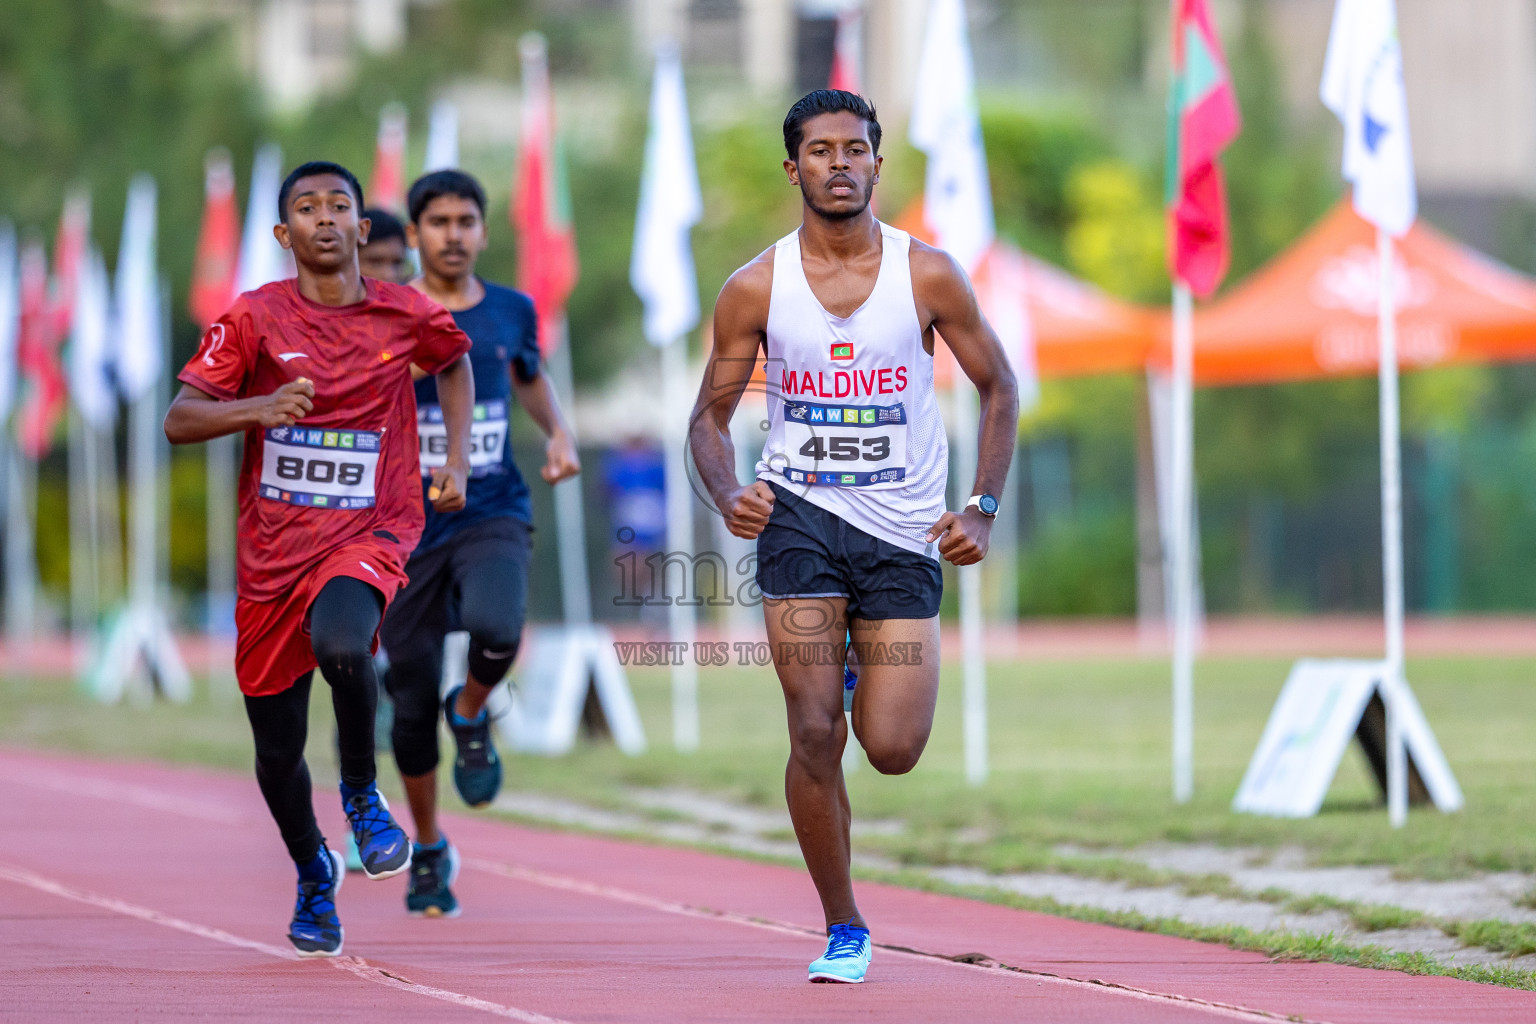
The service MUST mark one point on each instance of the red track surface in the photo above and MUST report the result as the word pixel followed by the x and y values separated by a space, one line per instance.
pixel 140 892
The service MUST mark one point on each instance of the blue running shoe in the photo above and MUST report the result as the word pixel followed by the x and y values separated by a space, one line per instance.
pixel 850 680
pixel 382 844
pixel 476 769
pixel 316 930
pixel 433 871
pixel 847 956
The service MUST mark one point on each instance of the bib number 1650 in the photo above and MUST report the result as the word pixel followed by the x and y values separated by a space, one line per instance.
pixel 320 470
pixel 846 449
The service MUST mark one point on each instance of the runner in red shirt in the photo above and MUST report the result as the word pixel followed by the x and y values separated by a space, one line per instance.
pixel 316 373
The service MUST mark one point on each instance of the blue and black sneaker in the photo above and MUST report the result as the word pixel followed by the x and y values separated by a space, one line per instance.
pixel 476 769
pixel 316 930
pixel 850 680
pixel 383 845
pixel 433 872
pixel 847 957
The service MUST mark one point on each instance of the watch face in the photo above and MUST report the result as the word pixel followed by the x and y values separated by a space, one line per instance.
pixel 988 505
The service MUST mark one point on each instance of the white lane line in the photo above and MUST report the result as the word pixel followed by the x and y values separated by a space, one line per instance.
pixel 363 969
pixel 350 964
pixel 127 792
pixel 576 885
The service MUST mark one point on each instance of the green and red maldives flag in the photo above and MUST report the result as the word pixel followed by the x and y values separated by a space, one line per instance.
pixel 541 205
pixel 1202 120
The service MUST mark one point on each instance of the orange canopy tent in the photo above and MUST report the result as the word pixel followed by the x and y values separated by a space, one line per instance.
pixel 1311 312
pixel 1077 329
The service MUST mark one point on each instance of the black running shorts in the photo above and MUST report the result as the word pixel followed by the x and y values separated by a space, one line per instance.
pixel 806 551
pixel 428 608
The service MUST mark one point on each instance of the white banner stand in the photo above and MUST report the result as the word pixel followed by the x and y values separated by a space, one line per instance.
pixel 141 633
pixel 545 711
pixel 1323 705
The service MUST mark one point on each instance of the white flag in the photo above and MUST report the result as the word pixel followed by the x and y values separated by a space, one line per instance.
pixel 945 125
pixel 661 265
pixel 10 318
pixel 1363 86
pixel 90 352
pixel 262 258
pixel 442 137
pixel 140 340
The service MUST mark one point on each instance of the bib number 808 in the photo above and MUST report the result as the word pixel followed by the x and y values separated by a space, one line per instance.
pixel 320 470
pixel 846 449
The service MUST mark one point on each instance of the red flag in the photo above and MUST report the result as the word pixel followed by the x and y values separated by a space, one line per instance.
pixel 1202 120
pixel 37 357
pixel 848 51
pixel 541 207
pixel 218 243
pixel 386 188
pixel 68 258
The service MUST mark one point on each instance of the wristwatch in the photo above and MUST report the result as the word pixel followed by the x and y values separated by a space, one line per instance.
pixel 984 503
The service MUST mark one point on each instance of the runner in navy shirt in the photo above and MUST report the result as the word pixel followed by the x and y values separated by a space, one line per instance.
pixel 470 570
pixel 504 330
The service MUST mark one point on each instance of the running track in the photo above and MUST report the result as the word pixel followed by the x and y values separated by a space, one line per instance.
pixel 132 891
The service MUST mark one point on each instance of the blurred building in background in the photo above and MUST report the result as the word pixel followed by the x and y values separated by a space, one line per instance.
pixel 297 50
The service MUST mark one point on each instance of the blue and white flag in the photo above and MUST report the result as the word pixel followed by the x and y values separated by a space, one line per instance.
pixel 442 138
pixel 140 350
pixel 90 350
pixel 1363 86
pixel 945 125
pixel 262 258
pixel 661 264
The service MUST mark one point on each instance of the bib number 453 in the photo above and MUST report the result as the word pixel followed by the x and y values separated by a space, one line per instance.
pixel 846 449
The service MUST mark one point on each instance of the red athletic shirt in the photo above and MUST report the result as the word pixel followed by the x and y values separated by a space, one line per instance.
pixel 349 468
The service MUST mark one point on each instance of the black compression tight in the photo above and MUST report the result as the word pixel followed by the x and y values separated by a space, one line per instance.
pixel 494 619
pixel 342 622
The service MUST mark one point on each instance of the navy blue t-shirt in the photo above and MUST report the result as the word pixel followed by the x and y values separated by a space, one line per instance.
pixel 504 330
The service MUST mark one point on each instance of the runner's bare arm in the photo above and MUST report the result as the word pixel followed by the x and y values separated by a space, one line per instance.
pixel 947 305
pixel 741 324
pixel 456 394
pixel 196 416
pixel 538 396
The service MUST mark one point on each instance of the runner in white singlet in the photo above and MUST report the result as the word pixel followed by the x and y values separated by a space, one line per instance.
pixel 848 506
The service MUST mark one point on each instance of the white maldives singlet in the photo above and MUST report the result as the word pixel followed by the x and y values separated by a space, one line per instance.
pixel 853 425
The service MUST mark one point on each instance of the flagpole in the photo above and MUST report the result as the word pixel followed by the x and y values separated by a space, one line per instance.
pixel 20 553
pixel 1183 544
pixel 680 620
pixel 570 514
pixel 109 524
pixel 1391 531
pixel 221 482
pixel 81 554
pixel 972 642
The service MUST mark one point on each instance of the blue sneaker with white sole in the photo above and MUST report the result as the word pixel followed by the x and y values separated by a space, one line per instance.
pixel 315 929
pixel 382 844
pixel 476 768
pixel 847 956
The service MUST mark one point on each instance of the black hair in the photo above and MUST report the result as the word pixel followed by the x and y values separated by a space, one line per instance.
pixel 827 101
pixel 310 170
pixel 443 183
pixel 385 226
